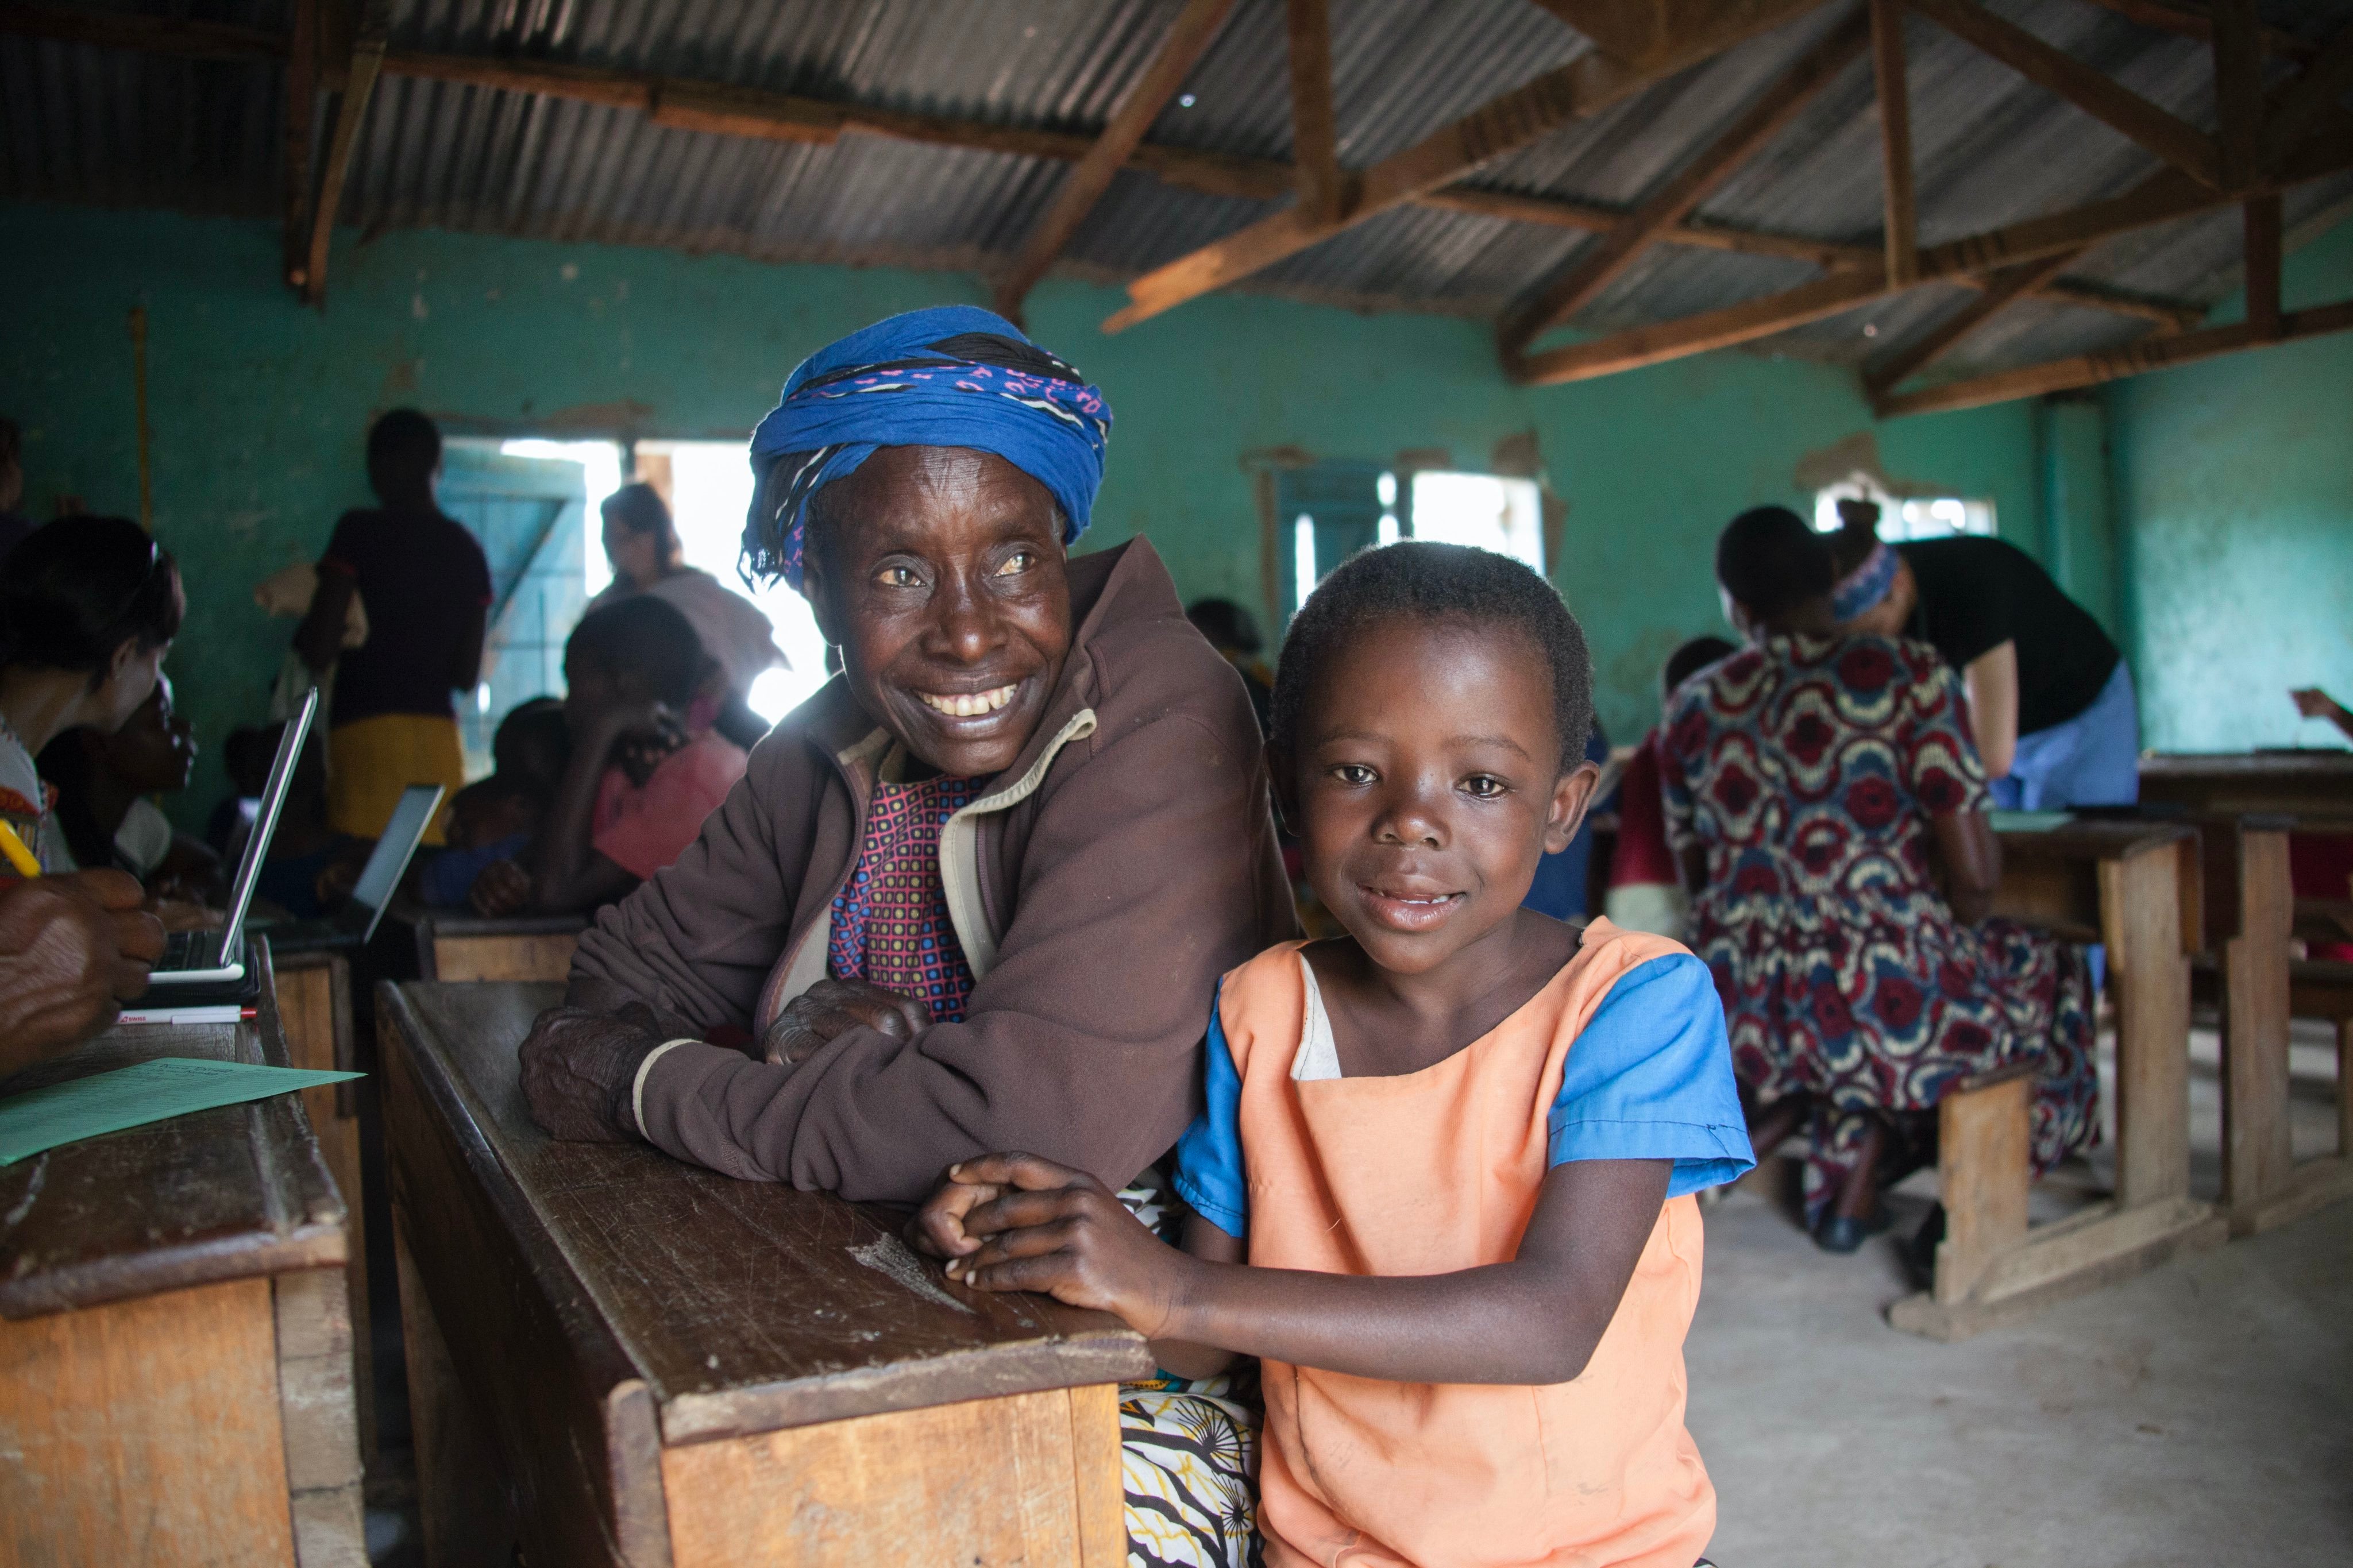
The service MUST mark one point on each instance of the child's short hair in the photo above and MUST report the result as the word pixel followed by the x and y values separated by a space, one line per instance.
pixel 1771 561
pixel 1423 580
pixel 1691 658
pixel 532 745
pixel 647 637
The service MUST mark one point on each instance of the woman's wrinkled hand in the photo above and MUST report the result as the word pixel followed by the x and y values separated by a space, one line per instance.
pixel 831 1009
pixel 579 1068
pixel 1015 1221
pixel 73 949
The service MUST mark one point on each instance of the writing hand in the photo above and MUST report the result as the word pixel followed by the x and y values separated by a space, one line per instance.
pixel 1021 1223
pixel 831 1009
pixel 73 949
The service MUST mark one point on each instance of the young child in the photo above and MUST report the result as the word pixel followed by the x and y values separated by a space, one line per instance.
pixel 640 777
pixel 104 783
pixel 1442 1185
pixel 493 819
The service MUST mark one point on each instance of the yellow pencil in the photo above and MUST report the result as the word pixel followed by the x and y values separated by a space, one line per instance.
pixel 19 856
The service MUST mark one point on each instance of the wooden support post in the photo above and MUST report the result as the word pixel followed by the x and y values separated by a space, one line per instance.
pixel 1985 1163
pixel 301 110
pixel 1092 175
pixel 1902 221
pixel 2262 268
pixel 1315 129
pixel 2238 91
pixel 2180 144
pixel 2141 918
pixel 360 71
pixel 2256 1156
pixel 2002 289
pixel 2308 101
pixel 1569 291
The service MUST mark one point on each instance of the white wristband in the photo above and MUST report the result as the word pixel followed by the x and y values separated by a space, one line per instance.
pixel 638 1089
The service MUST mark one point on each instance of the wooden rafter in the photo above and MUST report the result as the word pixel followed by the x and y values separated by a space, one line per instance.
pixel 736 112
pixel 359 71
pixel 2262 258
pixel 302 107
pixel 2176 141
pixel 1900 209
pixel 2091 370
pixel 1315 128
pixel 2002 289
pixel 2198 22
pixel 1584 87
pixel 2238 91
pixel 1568 291
pixel 2161 198
pixel 2310 101
pixel 1084 186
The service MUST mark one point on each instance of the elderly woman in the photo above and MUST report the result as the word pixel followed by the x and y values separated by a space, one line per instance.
pixel 976 892
pixel 1828 803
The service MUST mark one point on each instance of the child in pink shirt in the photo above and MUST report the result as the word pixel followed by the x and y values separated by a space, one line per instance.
pixel 1443 1186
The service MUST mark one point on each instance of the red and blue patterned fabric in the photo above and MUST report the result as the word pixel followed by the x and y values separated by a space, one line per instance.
pixel 1809 770
pixel 891 923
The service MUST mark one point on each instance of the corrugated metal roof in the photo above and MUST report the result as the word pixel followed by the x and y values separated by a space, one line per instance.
pixel 110 126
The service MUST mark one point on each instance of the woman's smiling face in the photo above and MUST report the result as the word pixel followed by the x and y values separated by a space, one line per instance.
pixel 938 571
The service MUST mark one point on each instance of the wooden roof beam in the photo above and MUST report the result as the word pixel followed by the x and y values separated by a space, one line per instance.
pixel 1088 178
pixel 359 71
pixel 2310 102
pixel 1570 290
pixel 2132 359
pixel 2262 258
pixel 1584 87
pixel 2194 21
pixel 1315 128
pixel 302 92
pixel 2002 289
pixel 2177 141
pixel 1900 209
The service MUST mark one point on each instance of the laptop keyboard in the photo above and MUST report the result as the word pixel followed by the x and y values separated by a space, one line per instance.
pixel 187 949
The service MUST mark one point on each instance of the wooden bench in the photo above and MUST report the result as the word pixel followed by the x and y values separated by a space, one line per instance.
pixel 2323 989
pixel 2135 886
pixel 456 946
pixel 2315 787
pixel 618 1358
pixel 175 1338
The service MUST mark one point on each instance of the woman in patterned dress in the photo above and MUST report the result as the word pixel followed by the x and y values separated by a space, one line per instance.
pixel 1827 801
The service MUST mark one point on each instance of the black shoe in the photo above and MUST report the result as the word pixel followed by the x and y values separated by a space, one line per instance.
pixel 1844 1234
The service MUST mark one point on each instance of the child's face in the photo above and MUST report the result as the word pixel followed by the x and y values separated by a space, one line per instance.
pixel 154 750
pixel 1428 784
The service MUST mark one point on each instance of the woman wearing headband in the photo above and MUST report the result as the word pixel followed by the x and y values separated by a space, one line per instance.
pixel 2050 700
pixel 972 894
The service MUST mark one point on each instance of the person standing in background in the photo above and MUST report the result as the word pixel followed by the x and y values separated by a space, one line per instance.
pixel 642 543
pixel 427 589
pixel 2050 700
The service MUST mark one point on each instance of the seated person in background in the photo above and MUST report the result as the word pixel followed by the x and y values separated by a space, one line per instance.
pixel 1646 891
pixel 427 585
pixel 1441 1182
pixel 309 868
pixel 642 545
pixel 1829 811
pixel 494 819
pixel 103 783
pixel 1233 632
pixel 73 949
pixel 640 778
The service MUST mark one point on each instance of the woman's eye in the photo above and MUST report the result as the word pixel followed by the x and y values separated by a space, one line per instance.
pixel 899 577
pixel 1019 561
pixel 1355 774
pixel 1485 786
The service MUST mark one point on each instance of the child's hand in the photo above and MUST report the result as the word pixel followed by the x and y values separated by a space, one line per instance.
pixel 1014 1222
pixel 501 888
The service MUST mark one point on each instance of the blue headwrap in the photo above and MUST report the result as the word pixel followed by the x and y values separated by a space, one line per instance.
pixel 1866 585
pixel 955 376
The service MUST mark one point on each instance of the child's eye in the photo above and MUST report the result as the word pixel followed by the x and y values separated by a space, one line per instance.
pixel 1353 774
pixel 1485 786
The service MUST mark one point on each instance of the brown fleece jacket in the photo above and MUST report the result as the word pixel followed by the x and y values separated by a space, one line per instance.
pixel 1124 862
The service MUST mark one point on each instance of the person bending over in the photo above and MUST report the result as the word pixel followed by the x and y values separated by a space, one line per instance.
pixel 1827 808
pixel 1442 1186
pixel 640 778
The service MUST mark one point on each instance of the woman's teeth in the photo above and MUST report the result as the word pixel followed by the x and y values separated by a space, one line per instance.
pixel 965 704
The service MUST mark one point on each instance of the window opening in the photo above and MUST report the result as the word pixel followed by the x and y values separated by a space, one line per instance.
pixel 1907 517
pixel 1488 512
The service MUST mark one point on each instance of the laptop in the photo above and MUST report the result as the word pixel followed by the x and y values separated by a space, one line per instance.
pixel 352 924
pixel 212 958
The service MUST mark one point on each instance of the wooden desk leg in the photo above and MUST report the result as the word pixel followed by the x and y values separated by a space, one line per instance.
pixel 461 1483
pixel 2256 1159
pixel 314 1006
pixel 1985 1163
pixel 2140 914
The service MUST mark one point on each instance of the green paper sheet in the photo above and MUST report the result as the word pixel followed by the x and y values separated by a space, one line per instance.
pixel 133 1096
pixel 2027 821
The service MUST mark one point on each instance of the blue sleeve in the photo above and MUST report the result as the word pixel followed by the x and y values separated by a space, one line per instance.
pixel 1651 1079
pixel 1209 1156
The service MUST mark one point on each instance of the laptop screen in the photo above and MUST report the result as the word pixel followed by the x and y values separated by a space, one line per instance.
pixel 390 858
pixel 265 823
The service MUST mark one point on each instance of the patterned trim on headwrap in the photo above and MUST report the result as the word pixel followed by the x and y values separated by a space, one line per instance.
pixel 1866 585
pixel 953 376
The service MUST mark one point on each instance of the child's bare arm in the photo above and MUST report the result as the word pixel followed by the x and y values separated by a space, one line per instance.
pixel 1206 1242
pixel 1534 1320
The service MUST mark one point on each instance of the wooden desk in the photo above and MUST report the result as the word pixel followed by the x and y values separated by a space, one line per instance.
pixel 618 1358
pixel 2315 787
pixel 2135 886
pixel 456 946
pixel 175 1349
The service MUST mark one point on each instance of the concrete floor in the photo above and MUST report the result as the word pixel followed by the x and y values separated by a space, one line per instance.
pixel 2199 1414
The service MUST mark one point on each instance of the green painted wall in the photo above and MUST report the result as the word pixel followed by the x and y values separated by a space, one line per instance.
pixel 260 408
pixel 2234 487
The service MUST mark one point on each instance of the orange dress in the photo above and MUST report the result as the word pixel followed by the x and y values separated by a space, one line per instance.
pixel 1433 1172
